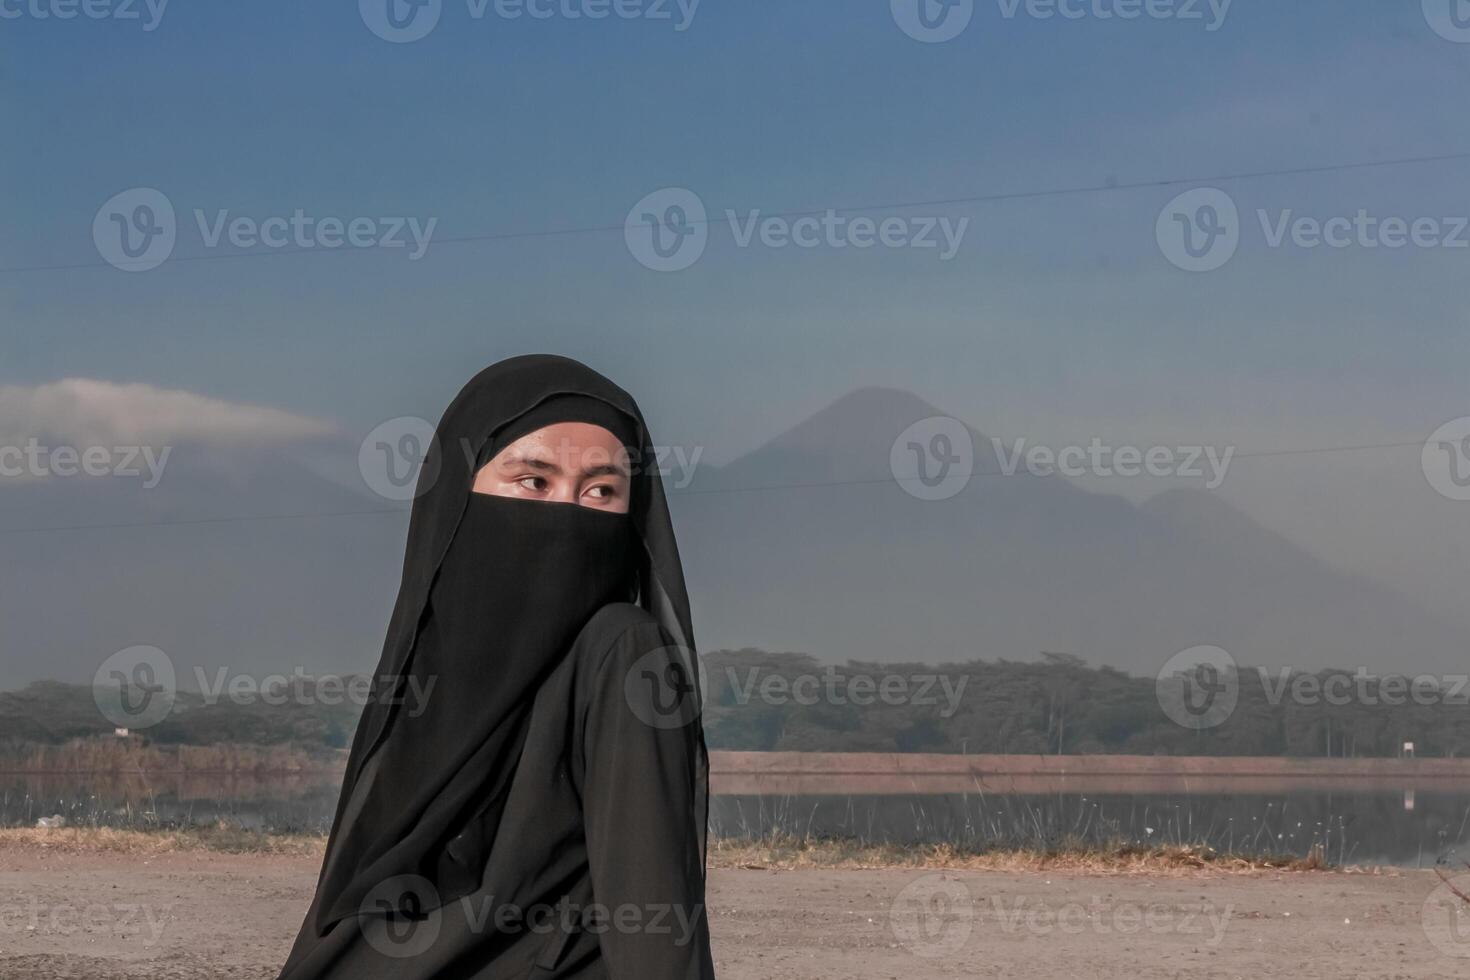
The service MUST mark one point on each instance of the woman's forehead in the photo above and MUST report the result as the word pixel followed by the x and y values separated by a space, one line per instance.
pixel 568 447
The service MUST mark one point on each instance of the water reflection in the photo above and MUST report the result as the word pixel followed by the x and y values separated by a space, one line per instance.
pixel 1351 826
pixel 1403 826
pixel 278 803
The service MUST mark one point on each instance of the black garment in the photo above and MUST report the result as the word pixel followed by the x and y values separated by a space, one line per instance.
pixel 500 597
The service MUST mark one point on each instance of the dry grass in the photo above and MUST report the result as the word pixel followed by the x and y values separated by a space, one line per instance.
pixel 219 839
pixel 777 853
pixel 128 756
pixel 797 853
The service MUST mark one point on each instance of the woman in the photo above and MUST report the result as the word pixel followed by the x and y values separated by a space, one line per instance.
pixel 526 794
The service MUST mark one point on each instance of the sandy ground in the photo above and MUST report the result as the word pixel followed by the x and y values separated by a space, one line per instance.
pixel 107 916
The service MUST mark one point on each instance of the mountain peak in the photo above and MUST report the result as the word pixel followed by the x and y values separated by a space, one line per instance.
pixel 863 419
pixel 851 439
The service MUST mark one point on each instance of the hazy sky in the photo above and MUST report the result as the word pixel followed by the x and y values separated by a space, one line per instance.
pixel 527 140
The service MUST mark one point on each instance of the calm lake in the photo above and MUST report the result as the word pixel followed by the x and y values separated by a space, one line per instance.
pixel 1403 826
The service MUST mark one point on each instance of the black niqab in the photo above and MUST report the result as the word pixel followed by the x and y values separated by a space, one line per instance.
pixel 494 591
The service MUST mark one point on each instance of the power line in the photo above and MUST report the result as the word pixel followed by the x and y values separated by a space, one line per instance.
pixel 757 488
pixel 986 198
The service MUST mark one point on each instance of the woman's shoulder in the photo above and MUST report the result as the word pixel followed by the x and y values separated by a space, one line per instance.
pixel 629 664
pixel 620 625
pixel 623 638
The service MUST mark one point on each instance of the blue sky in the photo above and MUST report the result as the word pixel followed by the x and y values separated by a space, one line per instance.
pixel 493 126
pixel 1059 317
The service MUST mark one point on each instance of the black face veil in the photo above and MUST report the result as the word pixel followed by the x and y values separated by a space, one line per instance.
pixel 494 591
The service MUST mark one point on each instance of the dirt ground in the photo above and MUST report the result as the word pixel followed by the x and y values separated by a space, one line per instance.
pixel 180 916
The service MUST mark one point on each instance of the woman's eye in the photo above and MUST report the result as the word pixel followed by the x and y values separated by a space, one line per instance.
pixel 535 483
pixel 601 492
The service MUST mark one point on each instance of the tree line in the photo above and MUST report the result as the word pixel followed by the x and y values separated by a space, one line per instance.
pixel 758 700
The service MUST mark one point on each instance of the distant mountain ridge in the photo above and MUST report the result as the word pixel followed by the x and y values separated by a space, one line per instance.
pixel 805 543
pixel 835 558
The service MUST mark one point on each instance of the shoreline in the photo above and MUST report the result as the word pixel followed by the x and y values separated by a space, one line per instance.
pixel 777 853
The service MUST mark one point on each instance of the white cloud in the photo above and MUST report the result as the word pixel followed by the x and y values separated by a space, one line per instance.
pixel 86 412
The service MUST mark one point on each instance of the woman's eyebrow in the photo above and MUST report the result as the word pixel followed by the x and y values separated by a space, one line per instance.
pixel 535 462
pixel 606 469
pixel 540 462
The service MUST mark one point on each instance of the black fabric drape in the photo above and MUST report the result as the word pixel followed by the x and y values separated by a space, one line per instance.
pixel 494 592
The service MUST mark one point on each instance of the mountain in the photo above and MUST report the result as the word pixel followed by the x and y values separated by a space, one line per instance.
pixel 242 558
pixel 272 558
pixel 809 543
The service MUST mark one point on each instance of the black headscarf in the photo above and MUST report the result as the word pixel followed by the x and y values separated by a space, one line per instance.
pixel 494 591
